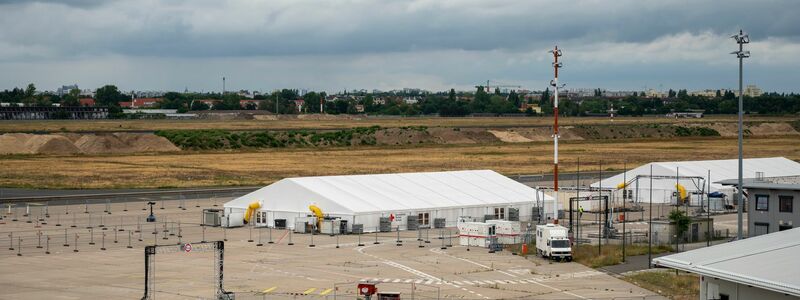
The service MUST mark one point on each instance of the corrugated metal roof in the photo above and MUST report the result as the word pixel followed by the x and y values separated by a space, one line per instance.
pixel 767 261
pixel 385 192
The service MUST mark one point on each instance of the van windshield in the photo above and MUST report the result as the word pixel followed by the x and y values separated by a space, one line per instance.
pixel 559 244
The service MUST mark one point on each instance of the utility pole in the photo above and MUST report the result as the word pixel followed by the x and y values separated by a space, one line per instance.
pixel 223 85
pixel 556 65
pixel 741 39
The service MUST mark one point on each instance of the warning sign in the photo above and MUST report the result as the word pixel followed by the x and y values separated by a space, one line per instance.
pixel 187 248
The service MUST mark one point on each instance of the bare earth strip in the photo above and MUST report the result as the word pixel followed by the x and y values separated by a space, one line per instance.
pixel 193 169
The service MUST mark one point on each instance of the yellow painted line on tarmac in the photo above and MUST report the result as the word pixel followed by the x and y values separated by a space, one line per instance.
pixel 325 292
pixel 309 291
pixel 269 290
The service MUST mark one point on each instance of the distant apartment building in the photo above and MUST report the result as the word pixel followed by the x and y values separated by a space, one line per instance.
pixel 752 91
pixel 86 102
pixel 704 93
pixel 141 103
pixel 411 100
pixel 64 89
pixel 652 93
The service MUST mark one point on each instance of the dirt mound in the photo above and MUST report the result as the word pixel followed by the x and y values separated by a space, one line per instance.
pixel 450 136
pixel 400 136
pixel 772 129
pixel 509 136
pixel 22 143
pixel 50 144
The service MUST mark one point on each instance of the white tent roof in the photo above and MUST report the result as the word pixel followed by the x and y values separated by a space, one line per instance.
pixel 767 261
pixel 352 194
pixel 720 170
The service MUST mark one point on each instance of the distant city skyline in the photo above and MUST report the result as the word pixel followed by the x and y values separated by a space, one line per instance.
pixel 330 46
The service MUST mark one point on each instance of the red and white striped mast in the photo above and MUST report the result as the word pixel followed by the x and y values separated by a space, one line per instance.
pixel 556 65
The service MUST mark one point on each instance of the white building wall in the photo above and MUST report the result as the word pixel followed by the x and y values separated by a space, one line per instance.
pixel 711 289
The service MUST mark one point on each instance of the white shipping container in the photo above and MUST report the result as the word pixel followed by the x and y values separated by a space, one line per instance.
pixel 475 234
pixel 508 232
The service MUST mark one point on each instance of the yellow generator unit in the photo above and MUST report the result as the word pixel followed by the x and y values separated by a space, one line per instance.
pixel 681 193
pixel 251 209
pixel 318 213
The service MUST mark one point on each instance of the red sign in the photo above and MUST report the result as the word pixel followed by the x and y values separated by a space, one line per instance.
pixel 391 217
pixel 187 248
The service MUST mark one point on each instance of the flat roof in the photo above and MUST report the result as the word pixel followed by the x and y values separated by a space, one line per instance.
pixel 761 184
pixel 767 261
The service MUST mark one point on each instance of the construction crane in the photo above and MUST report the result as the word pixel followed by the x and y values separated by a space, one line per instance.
pixel 498 85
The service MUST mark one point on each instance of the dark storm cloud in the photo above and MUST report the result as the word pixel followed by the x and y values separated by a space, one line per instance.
pixel 391 43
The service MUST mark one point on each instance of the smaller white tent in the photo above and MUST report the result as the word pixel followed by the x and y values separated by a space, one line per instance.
pixel 364 199
pixel 693 175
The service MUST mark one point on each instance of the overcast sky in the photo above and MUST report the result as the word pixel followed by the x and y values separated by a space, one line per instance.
pixel 388 44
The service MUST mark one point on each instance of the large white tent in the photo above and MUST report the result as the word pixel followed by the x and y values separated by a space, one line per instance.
pixel 363 199
pixel 694 176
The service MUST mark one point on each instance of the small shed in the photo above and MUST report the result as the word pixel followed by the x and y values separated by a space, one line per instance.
pixel 664 231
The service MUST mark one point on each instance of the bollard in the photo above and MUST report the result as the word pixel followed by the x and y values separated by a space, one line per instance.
pixel 39 237
pixel 121 222
pixel 420 244
pixel 130 233
pixel 360 244
pixel 102 225
pixel 376 237
pixel 115 235
pixel 337 241
pixel 399 242
pixel 66 243
pixel 427 235
pixel 259 238
pixel 76 243
pixel 250 228
pixel 225 234
pixel 66 207
pixel 85 207
pixel 90 222
pixel 140 235
pixel 180 231
pixel 180 237
pixel 419 234
pixel 311 245
pixel 91 236
pixel 162 203
pixel 270 236
pixel 124 204
pixel 103 242
pixel 11 241
pixel 155 229
pixel 58 220
pixel 441 237
pixel 47 245
pixel 73 221
pixel 14 218
pixel 204 233
pixel 172 230
pixel 29 218
pixel 290 239
pixel 19 246
pixel 108 206
pixel 165 236
pixel 144 205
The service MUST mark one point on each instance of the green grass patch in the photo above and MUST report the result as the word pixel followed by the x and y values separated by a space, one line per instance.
pixel 695 131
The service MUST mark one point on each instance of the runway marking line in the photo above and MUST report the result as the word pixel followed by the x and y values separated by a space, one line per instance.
pixel 309 291
pixel 325 292
pixel 269 290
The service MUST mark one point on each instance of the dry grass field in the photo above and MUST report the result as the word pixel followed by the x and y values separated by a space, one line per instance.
pixel 338 122
pixel 193 169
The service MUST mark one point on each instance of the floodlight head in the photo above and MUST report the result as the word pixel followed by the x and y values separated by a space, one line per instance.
pixel 552 83
pixel 741 37
pixel 556 51
pixel 558 65
pixel 741 54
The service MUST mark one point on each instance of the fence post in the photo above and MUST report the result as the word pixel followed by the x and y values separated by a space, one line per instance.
pixel 66 243
pixel 47 245
pixel 259 238
pixel 290 238
pixel 130 233
pixel 103 242
pixel 39 237
pixel 115 235
pixel 270 236
pixel 19 246
pixel 91 236
pixel 11 241
pixel 76 243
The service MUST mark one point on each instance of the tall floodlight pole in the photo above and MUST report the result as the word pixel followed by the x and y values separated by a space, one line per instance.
pixel 741 39
pixel 556 65
pixel 223 85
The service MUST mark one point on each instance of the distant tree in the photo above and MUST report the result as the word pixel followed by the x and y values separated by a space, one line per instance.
pixel 671 94
pixel 514 99
pixel 681 221
pixel 719 94
pixel 199 105
pixel 497 91
pixel 682 94
pixel 109 95
pixel 230 101
pixel 71 98
pixel 481 101
pixel 312 102
pixel 451 95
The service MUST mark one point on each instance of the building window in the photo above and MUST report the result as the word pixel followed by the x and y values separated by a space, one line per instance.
pixel 423 218
pixel 760 228
pixel 724 297
pixel 500 213
pixel 785 203
pixel 762 202
pixel 783 227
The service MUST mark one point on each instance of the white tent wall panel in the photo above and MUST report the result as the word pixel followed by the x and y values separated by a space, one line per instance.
pixel 663 189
